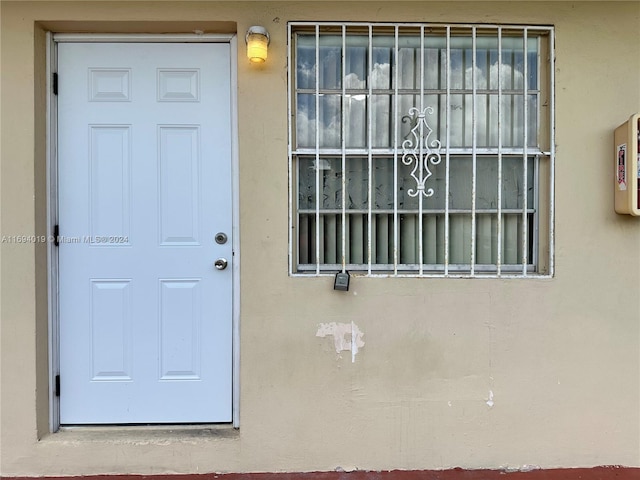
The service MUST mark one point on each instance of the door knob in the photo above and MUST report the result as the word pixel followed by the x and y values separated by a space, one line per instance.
pixel 221 263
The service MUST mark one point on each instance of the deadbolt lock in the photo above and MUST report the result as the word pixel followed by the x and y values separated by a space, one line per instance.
pixel 221 238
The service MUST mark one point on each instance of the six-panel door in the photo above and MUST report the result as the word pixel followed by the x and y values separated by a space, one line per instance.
pixel 144 187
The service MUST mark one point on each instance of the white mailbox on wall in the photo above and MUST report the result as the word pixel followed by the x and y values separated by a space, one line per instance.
pixel 627 166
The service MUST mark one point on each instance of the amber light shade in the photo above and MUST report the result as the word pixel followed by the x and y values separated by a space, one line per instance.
pixel 257 44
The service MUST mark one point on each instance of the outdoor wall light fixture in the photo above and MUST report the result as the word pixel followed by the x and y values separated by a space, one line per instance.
pixel 257 43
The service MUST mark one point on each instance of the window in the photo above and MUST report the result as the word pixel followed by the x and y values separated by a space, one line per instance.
pixel 421 150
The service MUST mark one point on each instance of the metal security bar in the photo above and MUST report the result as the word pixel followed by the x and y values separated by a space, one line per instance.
pixel 421 149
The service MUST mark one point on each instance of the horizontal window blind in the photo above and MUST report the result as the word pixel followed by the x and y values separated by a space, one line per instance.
pixel 420 149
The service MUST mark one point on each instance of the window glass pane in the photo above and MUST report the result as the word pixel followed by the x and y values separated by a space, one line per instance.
pixel 383 183
pixel 492 59
pixel 486 239
pixel 488 110
pixel 304 238
pixel 433 229
pixel 330 183
pixel 532 65
pixel 330 63
pixel 357 64
pixel 517 66
pixel 357 239
pixel 330 121
pixel 513 117
pixel 408 234
pixel 461 126
pixel 382 57
pixel 495 110
pixel 381 114
pixel 511 242
pixel 405 121
pixel 356 120
pixel 487 180
pixel 460 239
pixel 512 112
pixel 305 62
pixel 306 184
pixel 513 182
pixel 431 68
pixel 406 188
pixel 305 120
pixel 407 69
pixel 383 249
pixel 482 68
pixel 332 242
pixel 357 183
pixel 511 238
pixel 512 71
pixel 431 101
pixel 460 183
pixel 486 183
pixel 457 66
pixel 532 119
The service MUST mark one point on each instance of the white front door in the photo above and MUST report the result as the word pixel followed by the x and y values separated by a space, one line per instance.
pixel 144 185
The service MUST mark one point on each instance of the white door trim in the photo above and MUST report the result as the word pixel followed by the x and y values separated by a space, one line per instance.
pixel 52 194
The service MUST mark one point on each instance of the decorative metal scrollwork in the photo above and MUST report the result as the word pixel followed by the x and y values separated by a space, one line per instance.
pixel 419 152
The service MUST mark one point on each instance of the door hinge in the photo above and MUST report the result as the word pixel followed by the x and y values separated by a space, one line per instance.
pixel 55 83
pixel 57 385
pixel 56 235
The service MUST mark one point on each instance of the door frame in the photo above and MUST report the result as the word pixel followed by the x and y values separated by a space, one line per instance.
pixel 53 39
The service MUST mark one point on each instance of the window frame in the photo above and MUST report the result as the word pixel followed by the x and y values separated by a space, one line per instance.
pixel 541 264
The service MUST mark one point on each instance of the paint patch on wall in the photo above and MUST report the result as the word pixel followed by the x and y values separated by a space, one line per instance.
pixel 346 336
pixel 490 401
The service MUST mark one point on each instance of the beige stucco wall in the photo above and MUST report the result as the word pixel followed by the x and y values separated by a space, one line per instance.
pixel 561 356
